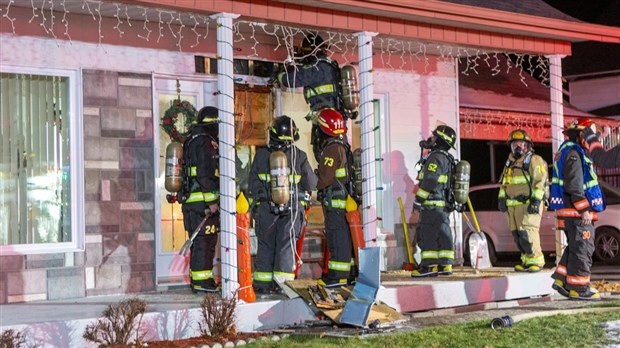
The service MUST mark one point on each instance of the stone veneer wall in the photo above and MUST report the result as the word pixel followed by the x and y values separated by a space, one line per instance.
pixel 119 202
pixel 118 183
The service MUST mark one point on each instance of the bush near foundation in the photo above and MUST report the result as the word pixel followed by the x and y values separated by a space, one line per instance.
pixel 120 324
pixel 218 316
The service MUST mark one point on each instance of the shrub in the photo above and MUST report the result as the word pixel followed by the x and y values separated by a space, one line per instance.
pixel 13 339
pixel 218 316
pixel 118 324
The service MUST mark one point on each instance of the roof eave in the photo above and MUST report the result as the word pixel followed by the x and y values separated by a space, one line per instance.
pixel 463 16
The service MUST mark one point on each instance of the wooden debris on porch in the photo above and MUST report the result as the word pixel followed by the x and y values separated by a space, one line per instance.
pixel 326 298
pixel 384 314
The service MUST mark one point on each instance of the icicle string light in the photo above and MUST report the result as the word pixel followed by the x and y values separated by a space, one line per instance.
pixel 6 15
pixel 65 21
pixel 394 53
pixel 488 121
pixel 145 26
pixel 119 22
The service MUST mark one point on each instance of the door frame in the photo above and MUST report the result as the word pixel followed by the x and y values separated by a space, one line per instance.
pixel 166 84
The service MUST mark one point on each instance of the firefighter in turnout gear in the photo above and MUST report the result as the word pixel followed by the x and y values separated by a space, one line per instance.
pixel 201 193
pixel 319 75
pixel 576 198
pixel 521 196
pixel 608 159
pixel 280 192
pixel 434 199
pixel 334 176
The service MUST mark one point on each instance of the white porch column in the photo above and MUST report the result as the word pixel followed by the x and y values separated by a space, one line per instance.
pixel 226 106
pixel 557 123
pixel 367 119
pixel 557 106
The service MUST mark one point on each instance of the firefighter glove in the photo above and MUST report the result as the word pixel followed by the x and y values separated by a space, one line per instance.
pixel 213 208
pixel 534 207
pixel 590 136
pixel 320 195
pixel 417 206
pixel 501 205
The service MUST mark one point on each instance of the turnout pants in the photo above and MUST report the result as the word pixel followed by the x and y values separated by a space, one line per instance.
pixel 339 243
pixel 525 231
pixel 574 266
pixel 202 250
pixel 276 236
pixel 434 236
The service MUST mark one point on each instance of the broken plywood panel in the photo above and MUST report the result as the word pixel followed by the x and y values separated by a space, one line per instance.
pixel 381 313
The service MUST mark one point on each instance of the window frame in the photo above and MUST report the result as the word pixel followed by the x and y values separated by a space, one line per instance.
pixel 76 171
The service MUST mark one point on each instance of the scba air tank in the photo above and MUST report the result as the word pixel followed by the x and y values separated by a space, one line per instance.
pixel 461 181
pixel 350 94
pixel 174 159
pixel 278 170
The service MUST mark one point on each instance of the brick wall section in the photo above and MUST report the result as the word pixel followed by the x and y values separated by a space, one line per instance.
pixel 118 155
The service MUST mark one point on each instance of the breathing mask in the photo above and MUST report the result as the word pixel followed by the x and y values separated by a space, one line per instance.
pixel 428 143
pixel 519 148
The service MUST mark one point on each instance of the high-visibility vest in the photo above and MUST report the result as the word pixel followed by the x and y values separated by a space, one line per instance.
pixel 591 187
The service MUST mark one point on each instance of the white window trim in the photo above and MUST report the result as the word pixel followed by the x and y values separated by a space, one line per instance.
pixel 76 136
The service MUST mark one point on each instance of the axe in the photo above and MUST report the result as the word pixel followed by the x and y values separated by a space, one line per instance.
pixel 188 243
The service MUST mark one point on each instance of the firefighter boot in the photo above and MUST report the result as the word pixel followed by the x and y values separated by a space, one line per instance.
pixel 534 268
pixel 590 294
pixel 332 283
pixel 558 286
pixel 208 285
pixel 521 267
pixel 445 270
pixel 425 271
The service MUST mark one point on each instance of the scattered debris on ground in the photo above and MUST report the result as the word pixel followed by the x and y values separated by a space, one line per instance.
pixel 605 286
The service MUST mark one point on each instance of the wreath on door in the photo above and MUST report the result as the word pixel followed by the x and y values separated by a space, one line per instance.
pixel 170 118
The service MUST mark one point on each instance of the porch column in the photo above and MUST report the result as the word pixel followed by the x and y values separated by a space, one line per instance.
pixel 557 106
pixel 226 106
pixel 367 120
pixel 557 123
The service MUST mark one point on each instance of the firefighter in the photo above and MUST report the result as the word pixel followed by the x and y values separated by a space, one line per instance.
pixel 319 75
pixel 278 224
pixel 576 198
pixel 605 159
pixel 334 177
pixel 434 200
pixel 521 196
pixel 200 196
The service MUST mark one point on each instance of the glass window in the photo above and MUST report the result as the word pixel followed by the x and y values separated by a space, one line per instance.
pixel 35 190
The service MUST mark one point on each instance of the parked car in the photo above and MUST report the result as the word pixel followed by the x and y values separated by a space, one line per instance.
pixel 495 225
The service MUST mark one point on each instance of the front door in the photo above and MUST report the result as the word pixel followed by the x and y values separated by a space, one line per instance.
pixel 170 234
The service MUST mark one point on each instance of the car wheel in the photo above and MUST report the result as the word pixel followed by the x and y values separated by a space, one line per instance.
pixel 607 245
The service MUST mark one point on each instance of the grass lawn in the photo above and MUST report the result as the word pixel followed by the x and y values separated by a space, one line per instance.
pixel 576 330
